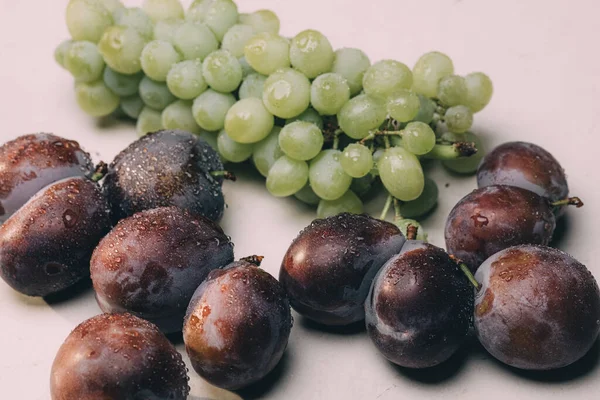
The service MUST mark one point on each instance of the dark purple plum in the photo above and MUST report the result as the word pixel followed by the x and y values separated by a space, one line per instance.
pixel 420 307
pixel 538 308
pixel 151 263
pixel 328 269
pixel 46 245
pixel 494 218
pixel 118 357
pixel 31 162
pixel 166 168
pixel 237 326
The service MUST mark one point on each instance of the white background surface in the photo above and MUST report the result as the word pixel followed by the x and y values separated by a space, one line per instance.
pixel 542 56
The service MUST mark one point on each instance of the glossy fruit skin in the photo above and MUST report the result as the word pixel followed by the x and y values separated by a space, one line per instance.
pixel 118 357
pixel 151 264
pixel 538 308
pixel 494 218
pixel 420 307
pixel 31 162
pixel 165 168
pixel 328 269
pixel 237 326
pixel 46 245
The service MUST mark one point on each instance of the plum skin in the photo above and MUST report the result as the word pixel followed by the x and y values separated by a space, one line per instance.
pixel 118 357
pixel 538 308
pixel 419 309
pixel 328 269
pixel 237 326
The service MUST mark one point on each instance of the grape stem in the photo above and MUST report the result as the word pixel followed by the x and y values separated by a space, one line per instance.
pixel 99 172
pixel 374 134
pixel 463 267
pixel 397 215
pixel 386 142
pixel 336 139
pixel 570 201
pixel 452 151
pixel 386 207
pixel 256 260
pixel 230 176
pixel 411 232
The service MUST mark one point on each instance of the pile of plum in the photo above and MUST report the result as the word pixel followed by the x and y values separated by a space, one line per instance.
pixel 145 229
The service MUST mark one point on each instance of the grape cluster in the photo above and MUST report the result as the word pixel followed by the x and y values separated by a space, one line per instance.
pixel 317 123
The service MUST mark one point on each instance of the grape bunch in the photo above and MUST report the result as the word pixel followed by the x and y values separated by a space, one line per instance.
pixel 317 123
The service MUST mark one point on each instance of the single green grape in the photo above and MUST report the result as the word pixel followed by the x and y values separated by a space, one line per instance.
pixel 287 176
pixel 267 151
pixel 195 40
pixel 220 16
pixel 160 10
pixel 122 49
pixel 327 176
pixel 132 106
pixel 362 186
pixel 252 86
pixel 301 140
pixel 357 160
pixel 84 61
pixel 403 105
pixel 197 10
pixel 262 21
pixel 149 121
pixel 422 204
pixel 452 90
pixel 236 39
pixel 426 110
pixel 286 93
pixel 155 95
pixel 459 119
pixel 95 98
pixel 157 59
pixel 185 79
pixel 87 20
pixel 479 91
pixel 61 51
pixel 210 109
pixel 231 150
pixel 465 165
pixel 385 77
pixel 222 71
pixel 429 70
pixel 249 121
pixel 352 65
pixel 137 19
pixel 403 226
pixel 311 53
pixel 310 115
pixel 329 92
pixel 122 85
pixel 401 173
pixel 178 115
pixel 348 203
pixel 165 29
pixel 112 5
pixel 266 53
pixel 361 115
pixel 418 138
pixel 307 196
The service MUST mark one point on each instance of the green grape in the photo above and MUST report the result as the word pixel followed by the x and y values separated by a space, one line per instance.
pixel 310 115
pixel 422 204
pixel 352 65
pixel 362 186
pixel 185 79
pixel 96 99
pixel 327 177
pixel 401 173
pixel 236 38
pixel 307 196
pixel 429 70
pixel 329 92
pixel 246 68
pixel 61 51
pixel 459 119
pixel 403 105
pixel 149 121
pixel 452 90
pixel 122 85
pixel 210 109
pixel 132 106
pixel 197 10
pixel 252 86
pixel 418 138
pixel 155 95
pixel 159 10
pixel 157 59
pixel 266 53
pixel 248 121
pixel 403 226
pixel 84 61
pixel 222 71
pixel 178 115
pixel 122 49
pixel 479 91
pixel 287 176
pixel 465 165
pixel 261 21
pixel 87 20
pixel 195 40
pixel 267 151
pixel 220 16
pixel 361 115
pixel 348 203
pixel 137 19
pixel 112 5
pixel 311 53
pixel 301 140
pixel 165 29
pixel 286 93
pixel 385 77
pixel 357 160
pixel 231 150
pixel 426 109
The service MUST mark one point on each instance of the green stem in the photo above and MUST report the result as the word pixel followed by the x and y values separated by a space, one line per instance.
pixel 397 215
pixel 570 201
pixel 465 269
pixel 386 141
pixel 452 151
pixel 336 141
pixel 225 174
pixel 386 207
